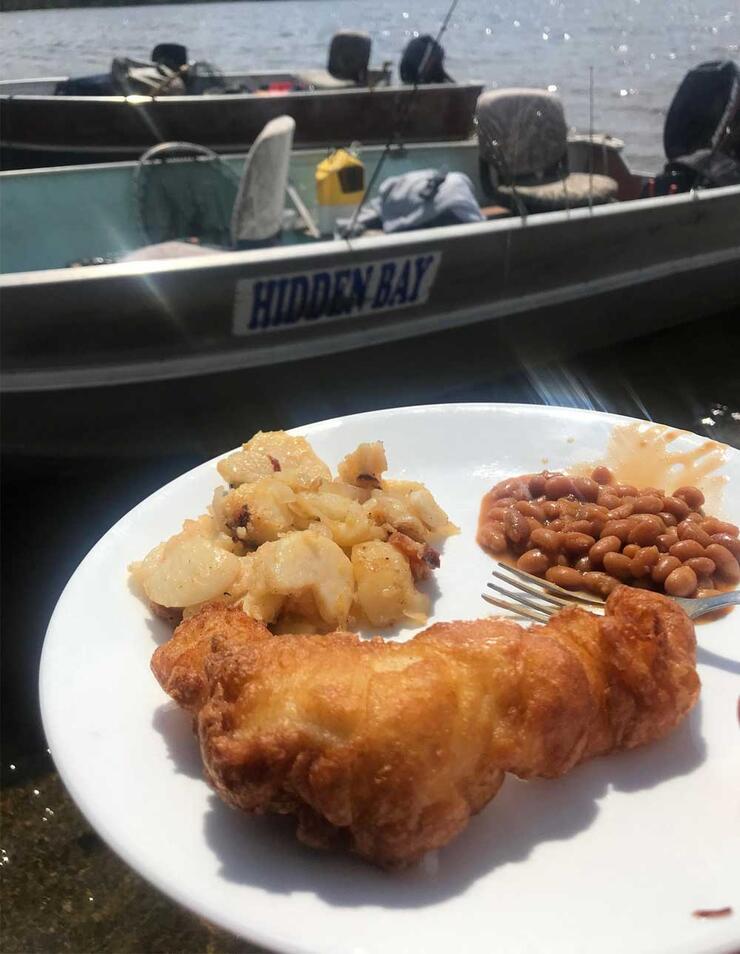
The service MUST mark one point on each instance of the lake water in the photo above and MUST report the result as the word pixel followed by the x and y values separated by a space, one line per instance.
pixel 639 49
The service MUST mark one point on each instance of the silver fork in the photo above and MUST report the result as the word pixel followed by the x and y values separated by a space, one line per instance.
pixel 539 599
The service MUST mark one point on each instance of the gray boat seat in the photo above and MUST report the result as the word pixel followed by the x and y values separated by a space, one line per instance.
pixel 257 214
pixel 523 148
pixel 349 59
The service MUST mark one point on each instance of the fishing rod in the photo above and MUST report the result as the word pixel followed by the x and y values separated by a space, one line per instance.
pixel 401 126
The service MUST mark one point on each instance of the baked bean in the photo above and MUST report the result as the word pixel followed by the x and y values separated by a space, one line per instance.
pixel 505 502
pixel 557 487
pixel 608 500
pixel 561 560
pixel 577 543
pixel 602 475
pixel 582 564
pixel 616 528
pixel 604 545
pixel 690 531
pixel 625 490
pixel 600 583
pixel 624 510
pixel 516 526
pixel 646 531
pixel 669 519
pixel 568 508
pixel 680 582
pixel 565 576
pixel 619 565
pixel 702 565
pixel 594 511
pixel 533 524
pixel 665 541
pixel 533 561
pixel 560 524
pixel 537 484
pixel 691 496
pixel 581 526
pixel 631 550
pixel 653 491
pixel 530 510
pixel 586 488
pixel 687 550
pixel 712 525
pixel 496 513
pixel 727 566
pixel 643 560
pixel 546 539
pixel 664 567
pixel 679 508
pixel 729 543
pixel 492 536
pixel 648 503
pixel 696 517
pixel 550 509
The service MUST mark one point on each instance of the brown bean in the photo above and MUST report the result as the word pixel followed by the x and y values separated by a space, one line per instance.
pixel 602 546
pixel 568 508
pixel 631 550
pixel 577 543
pixel 646 531
pixel 557 487
pixel 618 565
pixel 695 516
pixel 537 484
pixel 680 582
pixel 607 499
pixel 679 508
pixel 616 528
pixel 702 565
pixel 505 502
pixel 648 503
pixel 624 510
pixel 602 475
pixel 565 576
pixel 546 540
pixel 516 487
pixel 729 543
pixel 691 496
pixel 581 526
pixel 727 566
pixel 560 524
pixel 561 560
pixel 644 560
pixel 530 510
pixel 666 564
pixel 586 488
pixel 690 531
pixel 550 509
pixel 687 550
pixel 599 583
pixel 666 540
pixel 496 513
pixel 713 525
pixel 668 518
pixel 516 526
pixel 533 561
pixel 492 537
pixel 594 511
pixel 582 564
pixel 625 490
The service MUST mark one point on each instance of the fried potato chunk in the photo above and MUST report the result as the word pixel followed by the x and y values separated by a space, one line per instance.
pixel 385 584
pixel 365 466
pixel 270 452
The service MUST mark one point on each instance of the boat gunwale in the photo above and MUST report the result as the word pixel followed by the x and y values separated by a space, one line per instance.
pixel 289 254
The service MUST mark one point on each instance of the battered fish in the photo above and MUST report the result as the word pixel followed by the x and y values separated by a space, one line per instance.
pixel 388 748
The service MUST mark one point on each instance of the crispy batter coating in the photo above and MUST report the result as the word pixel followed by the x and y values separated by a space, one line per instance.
pixel 389 748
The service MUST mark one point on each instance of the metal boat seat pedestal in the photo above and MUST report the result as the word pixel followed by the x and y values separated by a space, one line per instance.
pixel 523 144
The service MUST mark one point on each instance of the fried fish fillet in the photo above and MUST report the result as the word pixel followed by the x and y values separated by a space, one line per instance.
pixel 389 748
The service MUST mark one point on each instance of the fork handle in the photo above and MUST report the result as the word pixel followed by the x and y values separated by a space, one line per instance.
pixel 707 604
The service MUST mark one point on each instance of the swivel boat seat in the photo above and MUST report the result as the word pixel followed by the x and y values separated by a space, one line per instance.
pixel 348 63
pixel 523 154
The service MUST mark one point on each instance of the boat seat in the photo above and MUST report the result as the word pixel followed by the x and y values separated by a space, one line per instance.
pixel 523 148
pixel 167 250
pixel 347 66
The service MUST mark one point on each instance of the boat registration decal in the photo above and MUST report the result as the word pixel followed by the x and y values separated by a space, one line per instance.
pixel 272 304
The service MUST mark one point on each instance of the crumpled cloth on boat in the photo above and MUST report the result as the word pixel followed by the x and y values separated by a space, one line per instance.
pixel 418 200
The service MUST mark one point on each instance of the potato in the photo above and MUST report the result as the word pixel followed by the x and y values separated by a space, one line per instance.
pixel 365 466
pixel 385 586
pixel 348 521
pixel 186 569
pixel 255 513
pixel 301 565
pixel 272 452
pixel 411 509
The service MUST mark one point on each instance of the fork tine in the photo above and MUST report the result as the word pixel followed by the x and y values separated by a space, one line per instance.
pixel 535 591
pixel 551 587
pixel 521 598
pixel 516 608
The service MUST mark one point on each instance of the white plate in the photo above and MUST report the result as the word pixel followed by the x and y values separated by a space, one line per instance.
pixel 614 857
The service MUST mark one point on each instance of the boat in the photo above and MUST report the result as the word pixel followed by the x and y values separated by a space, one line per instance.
pixel 259 284
pixel 51 121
